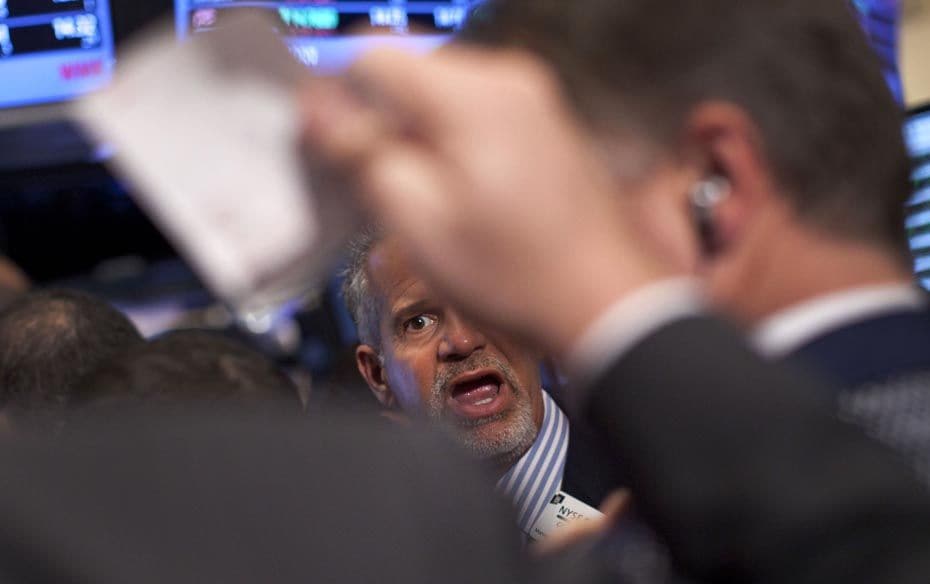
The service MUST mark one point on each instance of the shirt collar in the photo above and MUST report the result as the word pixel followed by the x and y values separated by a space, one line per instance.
pixel 532 481
pixel 791 328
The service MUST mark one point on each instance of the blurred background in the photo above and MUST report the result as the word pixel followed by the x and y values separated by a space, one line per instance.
pixel 66 220
pixel 915 51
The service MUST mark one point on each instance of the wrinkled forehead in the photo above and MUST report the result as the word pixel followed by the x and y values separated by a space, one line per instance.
pixel 393 277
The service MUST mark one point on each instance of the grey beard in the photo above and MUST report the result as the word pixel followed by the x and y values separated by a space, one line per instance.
pixel 508 445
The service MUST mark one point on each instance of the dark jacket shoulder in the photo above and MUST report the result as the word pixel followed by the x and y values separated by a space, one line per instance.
pixel 871 351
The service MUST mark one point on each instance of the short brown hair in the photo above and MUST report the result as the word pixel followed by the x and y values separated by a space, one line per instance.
pixel 801 69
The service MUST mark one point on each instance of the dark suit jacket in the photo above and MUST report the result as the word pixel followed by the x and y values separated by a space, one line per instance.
pixel 590 474
pixel 234 498
pixel 743 469
pixel 869 352
pixel 880 372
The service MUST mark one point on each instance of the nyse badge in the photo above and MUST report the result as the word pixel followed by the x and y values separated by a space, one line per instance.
pixel 562 510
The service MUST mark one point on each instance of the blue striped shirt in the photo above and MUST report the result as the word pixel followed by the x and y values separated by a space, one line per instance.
pixel 537 476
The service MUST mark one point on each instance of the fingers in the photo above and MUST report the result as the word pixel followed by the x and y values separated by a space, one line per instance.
pixel 577 532
pixel 569 536
pixel 351 146
pixel 405 86
pixel 406 186
pixel 339 130
pixel 392 98
pixel 436 94
pixel 616 504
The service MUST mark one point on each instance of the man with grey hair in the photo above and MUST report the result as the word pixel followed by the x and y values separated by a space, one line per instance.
pixel 423 360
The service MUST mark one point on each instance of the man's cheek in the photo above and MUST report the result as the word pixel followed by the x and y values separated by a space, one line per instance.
pixel 407 386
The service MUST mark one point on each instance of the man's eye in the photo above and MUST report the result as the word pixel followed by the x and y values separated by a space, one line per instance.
pixel 419 323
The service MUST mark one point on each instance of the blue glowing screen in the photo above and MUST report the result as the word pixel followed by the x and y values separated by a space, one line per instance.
pixel 328 35
pixel 52 50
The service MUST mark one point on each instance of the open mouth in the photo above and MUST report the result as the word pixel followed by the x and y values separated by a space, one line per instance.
pixel 477 388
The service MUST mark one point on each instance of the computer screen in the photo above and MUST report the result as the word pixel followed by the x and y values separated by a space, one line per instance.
pixel 328 34
pixel 53 50
pixel 917 133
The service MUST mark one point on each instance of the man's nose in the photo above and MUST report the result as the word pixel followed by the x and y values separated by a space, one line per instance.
pixel 459 340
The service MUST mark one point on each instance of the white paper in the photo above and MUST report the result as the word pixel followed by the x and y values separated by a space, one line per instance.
pixel 207 132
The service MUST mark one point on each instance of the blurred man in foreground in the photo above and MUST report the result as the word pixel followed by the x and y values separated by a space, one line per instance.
pixel 792 141
pixel 205 496
pixel 421 358
pixel 480 167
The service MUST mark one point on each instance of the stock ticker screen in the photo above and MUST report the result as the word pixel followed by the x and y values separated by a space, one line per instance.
pixel 328 35
pixel 917 133
pixel 52 50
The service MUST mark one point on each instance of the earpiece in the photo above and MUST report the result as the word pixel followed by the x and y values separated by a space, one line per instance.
pixel 704 198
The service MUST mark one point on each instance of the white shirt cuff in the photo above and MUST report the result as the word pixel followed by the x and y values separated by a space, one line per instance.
pixel 627 322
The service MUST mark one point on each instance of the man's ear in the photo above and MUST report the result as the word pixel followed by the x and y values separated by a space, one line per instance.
pixel 730 147
pixel 371 367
